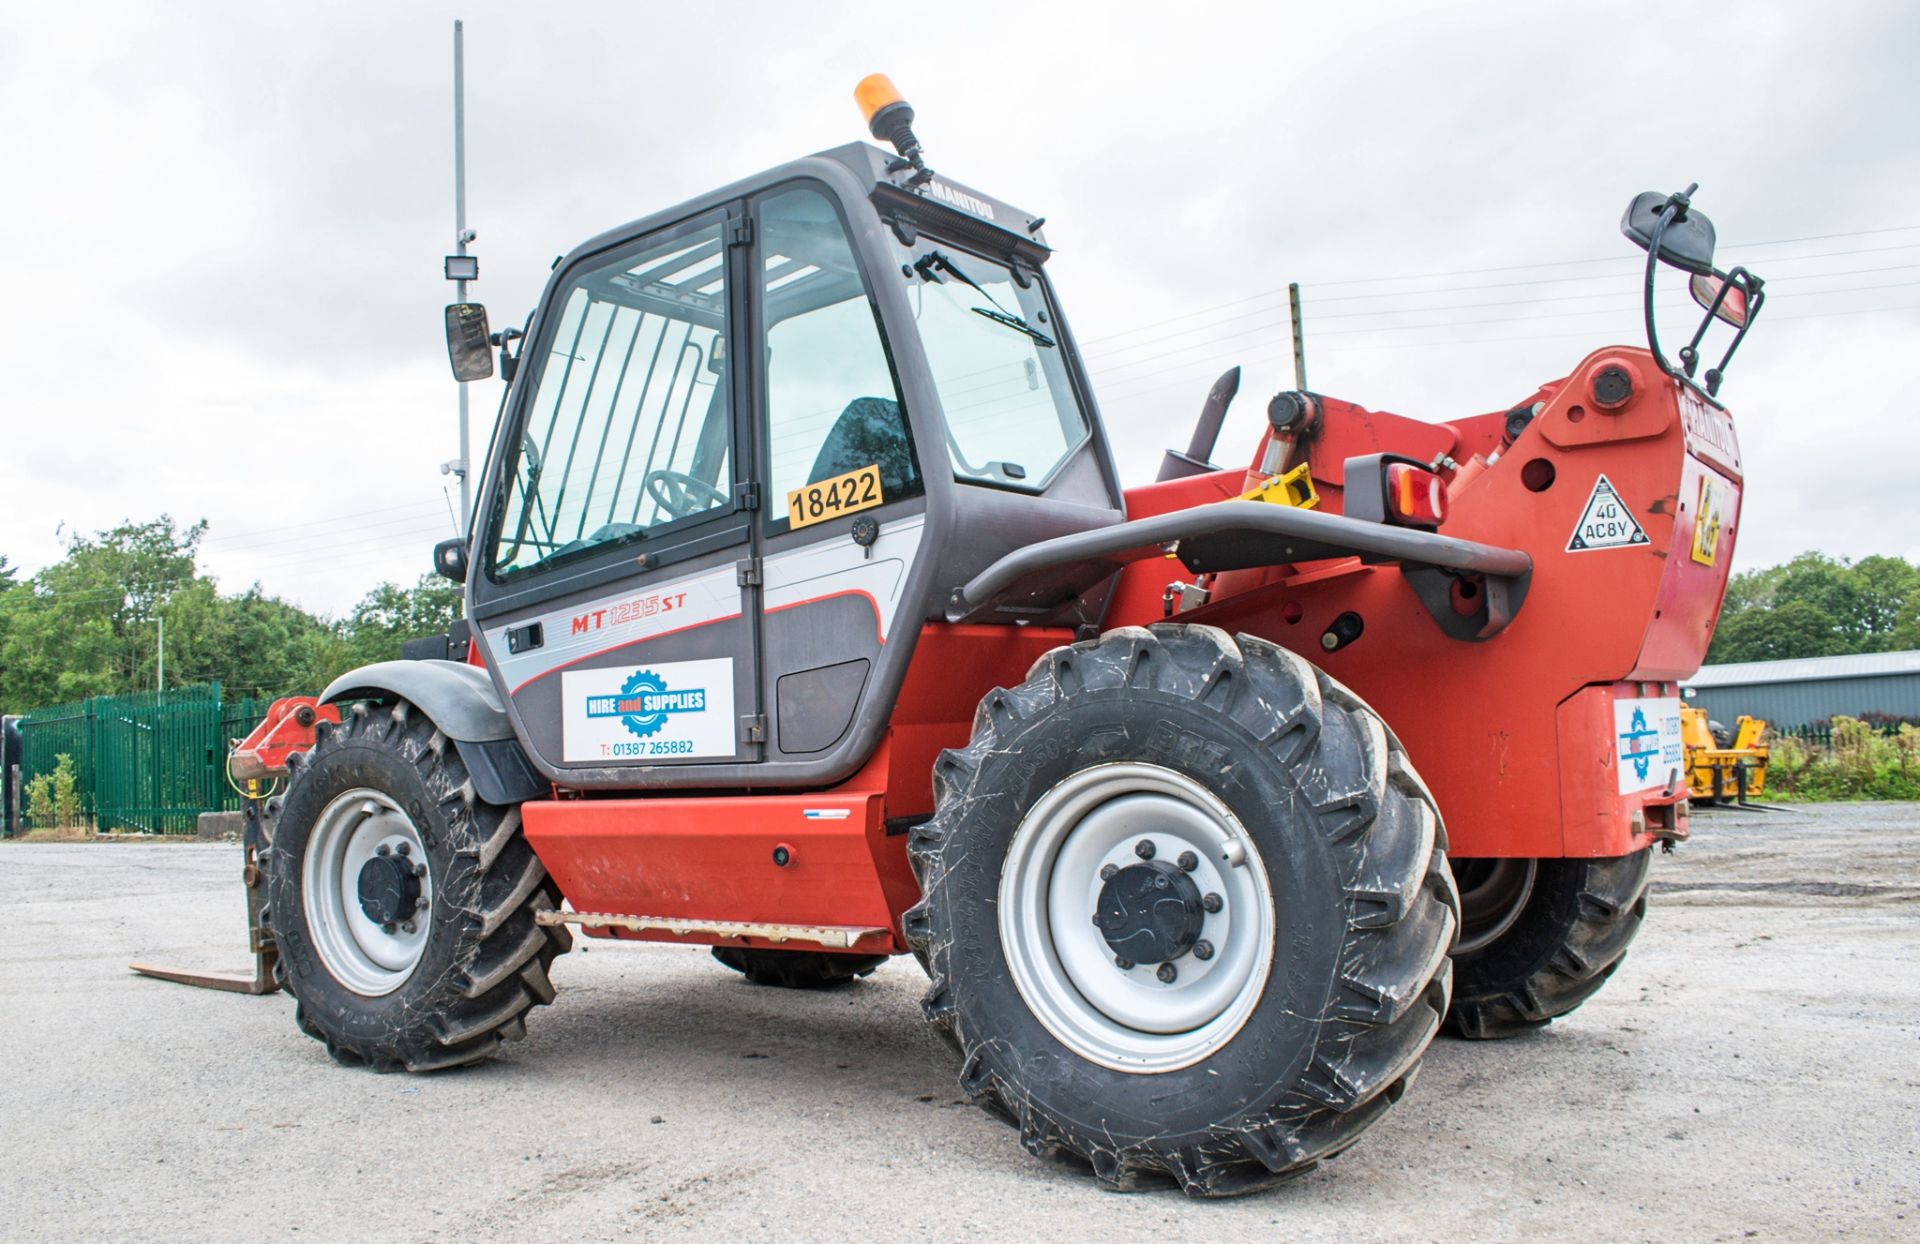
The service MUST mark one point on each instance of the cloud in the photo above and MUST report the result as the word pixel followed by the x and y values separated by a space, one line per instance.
pixel 226 223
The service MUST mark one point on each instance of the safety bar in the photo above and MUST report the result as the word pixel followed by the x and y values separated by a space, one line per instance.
pixel 1236 535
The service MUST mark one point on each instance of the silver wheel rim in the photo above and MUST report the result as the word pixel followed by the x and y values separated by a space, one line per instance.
pixel 1493 893
pixel 1128 1019
pixel 361 954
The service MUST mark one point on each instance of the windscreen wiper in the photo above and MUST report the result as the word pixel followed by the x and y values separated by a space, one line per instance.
pixel 1015 322
pixel 997 313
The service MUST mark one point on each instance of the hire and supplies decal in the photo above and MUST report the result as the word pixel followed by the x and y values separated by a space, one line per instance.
pixel 666 710
pixel 1646 735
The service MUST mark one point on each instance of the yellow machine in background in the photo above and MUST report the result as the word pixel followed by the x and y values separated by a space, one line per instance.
pixel 1734 773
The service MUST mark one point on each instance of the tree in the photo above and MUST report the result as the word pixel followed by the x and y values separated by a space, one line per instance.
pixel 1817 605
pixel 1795 629
pixel 1887 585
pixel 88 624
pixel 390 615
pixel 1906 628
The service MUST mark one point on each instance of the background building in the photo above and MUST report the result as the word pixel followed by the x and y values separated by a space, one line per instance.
pixel 1805 692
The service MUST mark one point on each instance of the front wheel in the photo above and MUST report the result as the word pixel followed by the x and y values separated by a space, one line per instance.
pixel 1186 910
pixel 404 906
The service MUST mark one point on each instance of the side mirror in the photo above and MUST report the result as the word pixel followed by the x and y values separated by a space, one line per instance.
pixel 1687 241
pixel 450 559
pixel 1727 302
pixel 467 345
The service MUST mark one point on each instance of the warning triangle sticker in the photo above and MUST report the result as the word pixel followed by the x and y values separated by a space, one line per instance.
pixel 1606 523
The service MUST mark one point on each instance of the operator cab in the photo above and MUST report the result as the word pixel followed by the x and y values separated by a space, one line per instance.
pixel 756 442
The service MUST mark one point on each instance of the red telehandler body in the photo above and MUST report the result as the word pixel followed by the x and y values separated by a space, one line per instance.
pixel 807 618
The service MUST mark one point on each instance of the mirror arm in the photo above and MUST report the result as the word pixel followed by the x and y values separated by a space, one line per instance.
pixel 1753 287
pixel 509 361
pixel 1653 266
pixel 1674 209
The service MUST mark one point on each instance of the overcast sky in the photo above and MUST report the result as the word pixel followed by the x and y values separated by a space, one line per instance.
pixel 222 225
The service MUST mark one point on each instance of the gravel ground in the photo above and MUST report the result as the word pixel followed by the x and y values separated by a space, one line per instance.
pixel 1752 1072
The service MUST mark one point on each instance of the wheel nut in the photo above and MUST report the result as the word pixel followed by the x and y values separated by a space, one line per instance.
pixel 389 927
pixel 420 904
pixel 1144 848
pixel 1203 949
pixel 1212 902
pixel 409 928
pixel 1123 963
pixel 1188 861
pixel 405 848
pixel 1167 973
pixel 1107 871
pixel 383 849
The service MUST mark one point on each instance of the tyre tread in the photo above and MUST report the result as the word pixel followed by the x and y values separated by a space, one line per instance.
pixel 502 966
pixel 1403 906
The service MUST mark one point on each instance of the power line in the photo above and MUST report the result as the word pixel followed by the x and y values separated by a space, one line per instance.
pixel 1187 370
pixel 1427 276
pixel 331 539
pixel 1549 315
pixel 266 539
pixel 1271 325
pixel 318 554
pixel 248 532
pixel 1318 302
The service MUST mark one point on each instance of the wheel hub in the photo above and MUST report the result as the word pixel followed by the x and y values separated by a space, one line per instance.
pixel 367 886
pixel 389 888
pixel 1493 894
pixel 1150 912
pixel 1114 874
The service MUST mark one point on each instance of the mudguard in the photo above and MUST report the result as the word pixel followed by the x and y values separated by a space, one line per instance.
pixel 460 698
pixel 462 703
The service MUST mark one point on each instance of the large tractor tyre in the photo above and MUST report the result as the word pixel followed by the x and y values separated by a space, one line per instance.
pixel 1187 911
pixel 403 906
pixel 797 969
pixel 1539 937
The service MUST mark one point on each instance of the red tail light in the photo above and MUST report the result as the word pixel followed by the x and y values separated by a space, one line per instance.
pixel 1416 497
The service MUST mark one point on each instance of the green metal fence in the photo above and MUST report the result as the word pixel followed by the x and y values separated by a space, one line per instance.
pixel 148 763
pixel 1820 733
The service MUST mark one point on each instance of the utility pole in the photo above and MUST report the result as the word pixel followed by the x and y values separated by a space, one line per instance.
pixel 461 236
pixel 1299 339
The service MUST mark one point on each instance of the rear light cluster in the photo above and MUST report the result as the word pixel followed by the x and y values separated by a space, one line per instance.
pixel 1416 497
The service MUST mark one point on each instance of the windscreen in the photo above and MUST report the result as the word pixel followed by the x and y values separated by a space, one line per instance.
pixel 989 336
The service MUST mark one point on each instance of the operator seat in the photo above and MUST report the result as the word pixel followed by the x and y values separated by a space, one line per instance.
pixel 869 432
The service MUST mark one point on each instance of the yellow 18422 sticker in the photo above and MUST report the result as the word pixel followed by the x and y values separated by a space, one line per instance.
pixel 830 498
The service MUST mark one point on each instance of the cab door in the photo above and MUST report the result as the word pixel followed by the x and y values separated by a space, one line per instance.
pixel 845 498
pixel 606 585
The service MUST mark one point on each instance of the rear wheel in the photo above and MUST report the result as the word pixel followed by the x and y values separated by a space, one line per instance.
pixel 1186 910
pixel 1539 937
pixel 403 906
pixel 797 969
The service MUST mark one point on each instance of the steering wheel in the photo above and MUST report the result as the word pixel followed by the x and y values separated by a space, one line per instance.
pixel 680 494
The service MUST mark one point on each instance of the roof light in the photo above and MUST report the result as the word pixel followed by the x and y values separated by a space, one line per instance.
pixel 890 119
pixel 875 93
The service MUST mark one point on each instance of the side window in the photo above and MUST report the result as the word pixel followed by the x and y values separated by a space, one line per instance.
pixel 832 407
pixel 628 428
